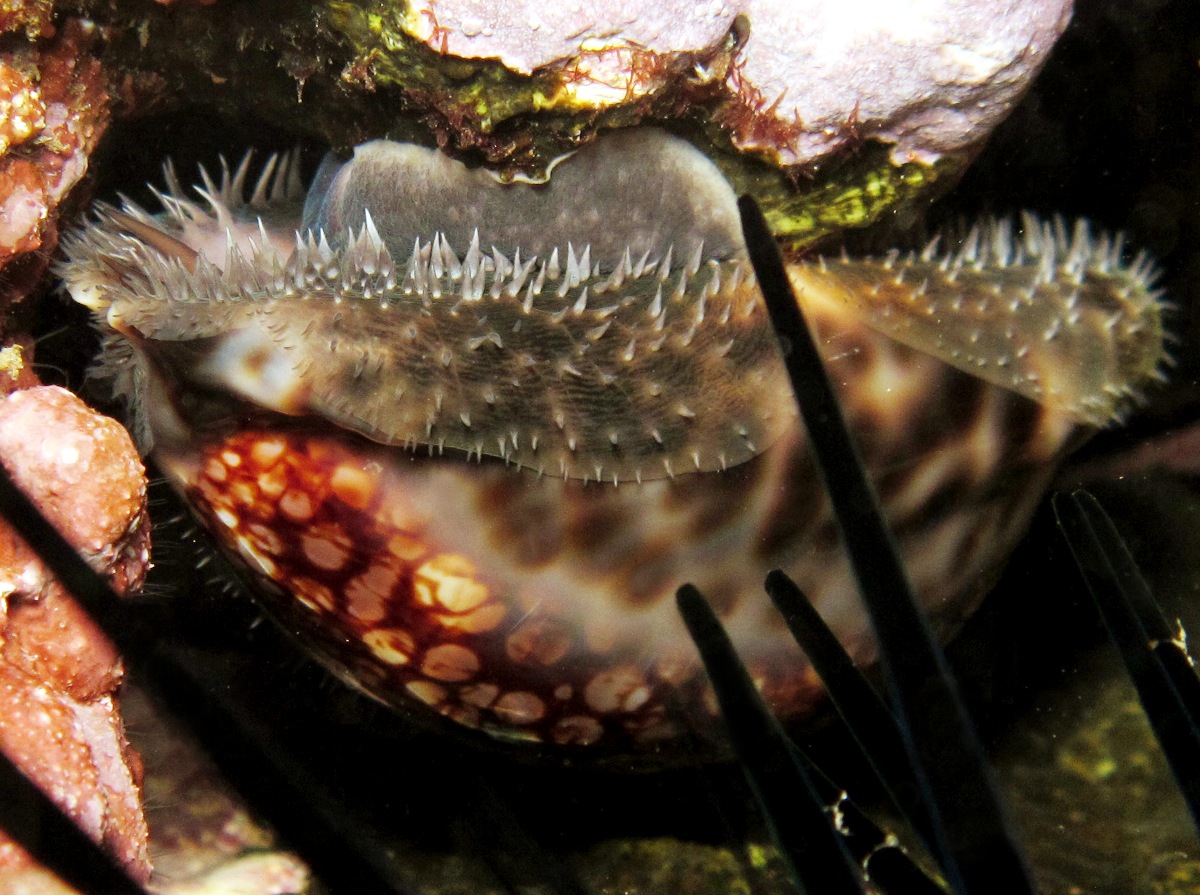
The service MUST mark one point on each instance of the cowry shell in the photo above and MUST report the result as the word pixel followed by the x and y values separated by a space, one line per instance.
pixel 316 393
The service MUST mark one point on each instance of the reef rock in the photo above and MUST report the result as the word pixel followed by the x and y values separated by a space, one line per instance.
pixel 806 78
pixel 58 673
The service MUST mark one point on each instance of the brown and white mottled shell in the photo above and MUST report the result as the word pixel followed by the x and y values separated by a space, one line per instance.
pixel 474 477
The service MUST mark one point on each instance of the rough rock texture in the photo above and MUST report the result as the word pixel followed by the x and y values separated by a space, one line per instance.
pixel 52 112
pixel 798 81
pixel 851 110
pixel 30 16
pixel 58 673
pixel 204 839
pixel 809 78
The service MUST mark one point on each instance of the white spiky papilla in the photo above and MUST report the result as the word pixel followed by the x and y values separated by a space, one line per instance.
pixel 650 362
pixel 651 368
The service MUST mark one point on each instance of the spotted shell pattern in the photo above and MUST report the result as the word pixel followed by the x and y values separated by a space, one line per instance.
pixel 474 478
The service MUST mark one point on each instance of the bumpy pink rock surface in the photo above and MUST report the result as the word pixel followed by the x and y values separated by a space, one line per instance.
pixel 53 109
pixel 58 674
pixel 811 76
